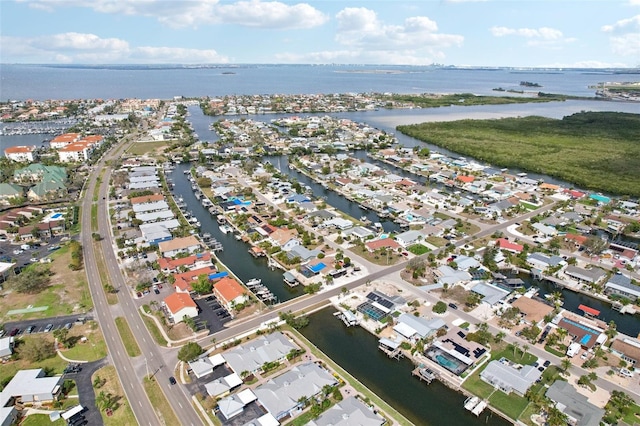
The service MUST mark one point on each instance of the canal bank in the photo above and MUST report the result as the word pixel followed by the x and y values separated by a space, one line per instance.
pixel 356 351
pixel 236 254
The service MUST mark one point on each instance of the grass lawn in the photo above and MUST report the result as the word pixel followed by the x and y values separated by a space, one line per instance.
pixel 128 340
pixel 515 356
pixel 160 403
pixel 436 241
pixel 93 349
pixel 379 259
pixel 476 386
pixel 155 332
pixel 123 415
pixel 512 405
pixel 594 150
pixel 633 416
pixel 418 249
pixel 141 148
pixel 41 420
pixel 54 365
pixel 66 294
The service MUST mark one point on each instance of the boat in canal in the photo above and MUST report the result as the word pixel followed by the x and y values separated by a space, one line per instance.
pixel 225 229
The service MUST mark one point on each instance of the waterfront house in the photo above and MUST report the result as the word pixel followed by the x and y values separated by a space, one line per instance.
pixel 491 294
pixel 21 153
pixel 414 328
pixel 179 245
pixel 230 293
pixel 284 238
pixel 281 395
pixel 144 199
pixel 179 306
pixel 348 412
pixel 542 261
pixel 589 276
pixel 157 232
pixel 303 253
pixel 445 274
pixel 533 310
pixel 621 285
pixel 251 356
pixel 359 232
pixel 195 261
pixel 582 331
pixel 454 352
pixel 579 410
pixel 509 377
pixel 182 283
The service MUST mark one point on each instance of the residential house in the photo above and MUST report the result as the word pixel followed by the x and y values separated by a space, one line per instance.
pixel 183 281
pixel 281 395
pixel 27 386
pixel 621 285
pixel 491 294
pixel 9 192
pixel 504 244
pixel 179 306
pixel 179 245
pixel 284 238
pixel 509 377
pixel 75 152
pixel 589 276
pixel 414 328
pixel 195 261
pixel 63 140
pixel 21 153
pixel 409 238
pixel 389 243
pixel 579 410
pixel 6 347
pixel 230 293
pixel 446 275
pixel 348 412
pixel 543 262
pixel 251 356
pixel 628 349
pixel 233 405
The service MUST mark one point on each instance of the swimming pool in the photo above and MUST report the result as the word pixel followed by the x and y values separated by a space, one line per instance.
pixel 56 216
pixel 450 364
pixel 383 236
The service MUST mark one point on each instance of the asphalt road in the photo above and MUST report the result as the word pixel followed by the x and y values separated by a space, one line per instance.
pixel 152 361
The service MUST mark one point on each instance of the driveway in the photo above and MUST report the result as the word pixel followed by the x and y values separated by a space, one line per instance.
pixel 85 390
pixel 212 314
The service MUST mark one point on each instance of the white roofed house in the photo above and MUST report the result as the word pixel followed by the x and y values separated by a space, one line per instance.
pixel 415 328
pixel 253 355
pixel 542 261
pixel 348 412
pixel 621 285
pixel 507 377
pixel 409 238
pixel 280 395
pixel 27 386
pixel 589 276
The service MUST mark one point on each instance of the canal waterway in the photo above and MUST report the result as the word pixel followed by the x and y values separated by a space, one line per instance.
pixel 235 254
pixel 626 323
pixel 356 350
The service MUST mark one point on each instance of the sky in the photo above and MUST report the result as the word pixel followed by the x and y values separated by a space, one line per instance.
pixel 510 33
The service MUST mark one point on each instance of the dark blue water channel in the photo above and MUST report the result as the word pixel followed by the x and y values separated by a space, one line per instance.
pixel 356 350
pixel 235 254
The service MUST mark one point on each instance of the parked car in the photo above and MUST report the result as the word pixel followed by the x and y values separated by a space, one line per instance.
pixel 48 328
pixel 14 332
pixel 30 329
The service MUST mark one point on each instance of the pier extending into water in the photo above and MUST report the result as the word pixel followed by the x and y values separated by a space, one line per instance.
pixel 425 374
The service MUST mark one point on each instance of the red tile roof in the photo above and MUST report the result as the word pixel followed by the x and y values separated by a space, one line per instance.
pixel 171 264
pixel 179 301
pixel 384 242
pixel 229 289
pixel 465 179
pixel 147 199
pixel 183 280
pixel 505 244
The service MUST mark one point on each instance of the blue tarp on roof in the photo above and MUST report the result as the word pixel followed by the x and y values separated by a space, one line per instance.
pixel 317 267
pixel 218 275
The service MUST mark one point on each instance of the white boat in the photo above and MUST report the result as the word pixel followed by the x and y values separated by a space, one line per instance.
pixel 471 402
pixel 254 282
pixel 478 408
pixel 221 219
pixel 238 236
pixel 225 229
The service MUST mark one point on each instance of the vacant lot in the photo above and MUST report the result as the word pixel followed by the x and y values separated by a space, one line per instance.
pixel 66 294
pixel 594 150
pixel 109 384
pixel 150 148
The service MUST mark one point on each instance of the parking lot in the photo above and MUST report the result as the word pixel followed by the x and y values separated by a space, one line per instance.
pixel 40 325
pixel 12 252
pixel 212 314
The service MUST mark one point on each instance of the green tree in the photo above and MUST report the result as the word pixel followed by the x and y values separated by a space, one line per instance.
pixel 190 351
pixel 439 308
pixel 33 279
pixel 61 335
pixel 202 285
pixel 36 349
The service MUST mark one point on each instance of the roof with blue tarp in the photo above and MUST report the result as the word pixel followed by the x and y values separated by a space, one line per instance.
pixel 317 267
pixel 218 275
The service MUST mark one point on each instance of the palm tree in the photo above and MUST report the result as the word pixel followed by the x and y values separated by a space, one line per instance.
pixel 556 417
pixel 565 364
pixel 525 348
pixel 500 336
pixel 612 330
pixel 563 333
pixel 516 346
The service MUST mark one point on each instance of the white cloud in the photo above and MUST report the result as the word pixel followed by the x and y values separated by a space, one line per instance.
pixel 626 45
pixel 193 13
pixel 632 23
pixel 91 49
pixel 634 2
pixel 256 13
pixel 416 39
pixel 543 33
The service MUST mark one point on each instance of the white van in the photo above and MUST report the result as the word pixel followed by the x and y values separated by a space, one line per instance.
pixel 573 349
pixel 626 373
pixel 25 247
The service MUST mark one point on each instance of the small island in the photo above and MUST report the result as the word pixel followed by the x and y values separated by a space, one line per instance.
pixel 529 84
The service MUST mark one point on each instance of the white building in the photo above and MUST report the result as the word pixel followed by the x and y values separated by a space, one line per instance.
pixel 21 153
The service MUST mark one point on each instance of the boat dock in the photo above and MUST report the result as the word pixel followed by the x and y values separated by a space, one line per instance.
pixel 475 405
pixel 424 374
pixel 390 347
pixel 347 317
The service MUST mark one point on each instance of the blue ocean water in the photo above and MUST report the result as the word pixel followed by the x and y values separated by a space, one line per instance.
pixel 41 82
